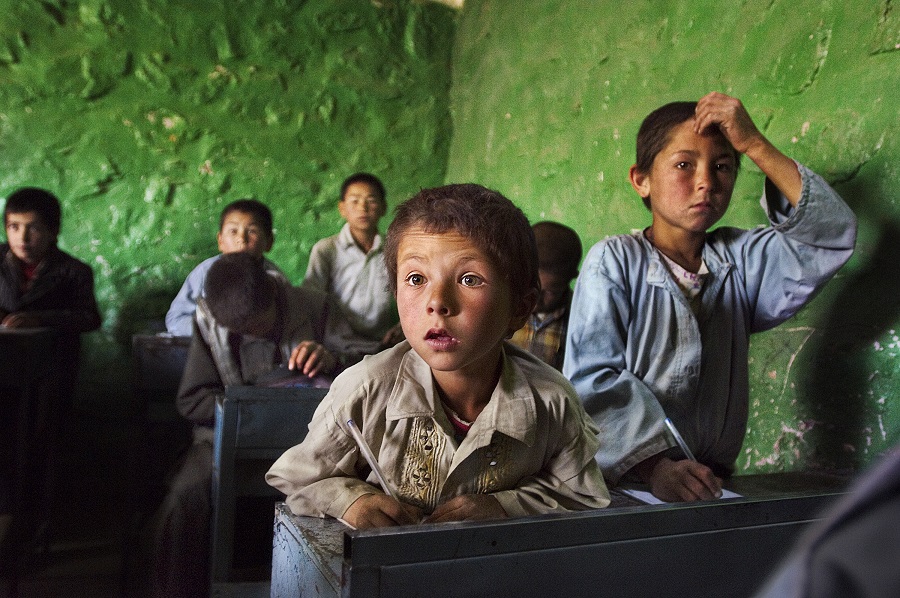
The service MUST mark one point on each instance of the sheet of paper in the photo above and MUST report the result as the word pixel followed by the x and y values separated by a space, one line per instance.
pixel 647 497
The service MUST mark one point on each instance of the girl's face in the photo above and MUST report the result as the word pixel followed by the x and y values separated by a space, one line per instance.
pixel 691 181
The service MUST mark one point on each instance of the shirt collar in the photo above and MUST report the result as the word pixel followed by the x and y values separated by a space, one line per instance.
pixel 346 240
pixel 511 410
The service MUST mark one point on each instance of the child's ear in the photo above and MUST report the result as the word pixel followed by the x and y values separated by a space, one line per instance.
pixel 219 241
pixel 269 243
pixel 640 181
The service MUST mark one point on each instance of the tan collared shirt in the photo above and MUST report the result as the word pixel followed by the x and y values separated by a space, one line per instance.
pixel 532 447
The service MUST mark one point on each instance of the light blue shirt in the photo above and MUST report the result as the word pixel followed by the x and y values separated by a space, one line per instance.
pixel 180 317
pixel 638 353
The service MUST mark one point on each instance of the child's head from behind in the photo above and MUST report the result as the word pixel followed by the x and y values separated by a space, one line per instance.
pixel 32 219
pixel 245 225
pixel 559 253
pixel 362 202
pixel 240 295
pixel 463 263
pixel 657 131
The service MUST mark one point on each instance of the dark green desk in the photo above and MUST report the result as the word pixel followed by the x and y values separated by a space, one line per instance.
pixel 718 548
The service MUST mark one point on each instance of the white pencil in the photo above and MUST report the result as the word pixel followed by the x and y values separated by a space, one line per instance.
pixel 370 458
pixel 681 443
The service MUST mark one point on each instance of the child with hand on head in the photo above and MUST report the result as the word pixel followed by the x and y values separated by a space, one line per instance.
pixel 463 424
pixel 665 315
pixel 544 332
pixel 349 267
pixel 245 225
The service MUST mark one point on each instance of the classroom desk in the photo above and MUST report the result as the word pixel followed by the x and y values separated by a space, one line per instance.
pixel 624 550
pixel 27 431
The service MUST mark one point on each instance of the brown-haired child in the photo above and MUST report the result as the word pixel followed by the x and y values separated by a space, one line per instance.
pixel 463 424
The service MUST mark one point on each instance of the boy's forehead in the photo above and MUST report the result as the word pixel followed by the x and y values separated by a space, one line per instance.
pixel 360 189
pixel 240 216
pixel 29 217
pixel 452 238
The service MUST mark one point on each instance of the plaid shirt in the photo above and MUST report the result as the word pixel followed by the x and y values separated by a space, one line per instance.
pixel 544 335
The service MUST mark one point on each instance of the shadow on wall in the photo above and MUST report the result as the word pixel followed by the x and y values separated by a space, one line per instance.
pixel 143 313
pixel 836 392
pixel 106 366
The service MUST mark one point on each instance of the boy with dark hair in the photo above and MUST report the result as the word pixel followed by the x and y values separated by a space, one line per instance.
pixel 41 285
pixel 247 324
pixel 463 424
pixel 349 267
pixel 245 225
pixel 544 333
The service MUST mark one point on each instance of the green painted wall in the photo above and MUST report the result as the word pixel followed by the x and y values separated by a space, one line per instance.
pixel 147 117
pixel 546 100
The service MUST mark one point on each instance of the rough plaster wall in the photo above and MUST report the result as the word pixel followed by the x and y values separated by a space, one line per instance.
pixel 546 102
pixel 147 117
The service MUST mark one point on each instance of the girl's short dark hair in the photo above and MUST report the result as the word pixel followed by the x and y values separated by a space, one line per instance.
pixel 656 130
pixel 32 199
pixel 487 218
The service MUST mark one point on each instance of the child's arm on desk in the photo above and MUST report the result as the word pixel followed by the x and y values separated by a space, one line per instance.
pixel 380 510
pixel 683 480
pixel 467 507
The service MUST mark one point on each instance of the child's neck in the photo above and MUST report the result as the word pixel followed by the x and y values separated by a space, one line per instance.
pixel 364 239
pixel 682 247
pixel 465 394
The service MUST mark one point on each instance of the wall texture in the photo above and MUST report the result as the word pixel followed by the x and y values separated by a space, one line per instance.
pixel 147 117
pixel 546 101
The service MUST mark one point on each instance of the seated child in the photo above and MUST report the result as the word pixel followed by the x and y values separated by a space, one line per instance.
pixel 247 324
pixel 41 286
pixel 245 225
pixel 349 266
pixel 464 425
pixel 544 333
pixel 665 315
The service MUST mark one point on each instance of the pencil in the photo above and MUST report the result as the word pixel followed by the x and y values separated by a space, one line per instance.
pixel 370 458
pixel 681 443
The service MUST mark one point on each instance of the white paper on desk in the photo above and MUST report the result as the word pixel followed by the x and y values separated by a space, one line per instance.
pixel 650 499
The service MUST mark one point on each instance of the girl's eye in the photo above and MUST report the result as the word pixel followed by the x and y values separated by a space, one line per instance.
pixel 681 165
pixel 470 280
pixel 415 280
pixel 724 167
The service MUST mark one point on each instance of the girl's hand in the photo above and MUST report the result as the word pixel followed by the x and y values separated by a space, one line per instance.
pixel 732 119
pixel 683 480
pixel 467 507
pixel 729 115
